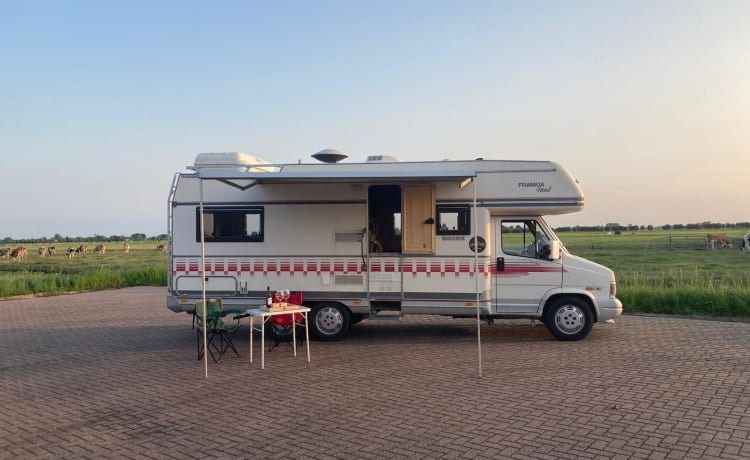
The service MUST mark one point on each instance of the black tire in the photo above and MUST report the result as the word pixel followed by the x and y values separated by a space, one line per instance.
pixel 569 318
pixel 330 321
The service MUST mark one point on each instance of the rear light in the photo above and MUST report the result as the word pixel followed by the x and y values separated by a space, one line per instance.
pixel 612 289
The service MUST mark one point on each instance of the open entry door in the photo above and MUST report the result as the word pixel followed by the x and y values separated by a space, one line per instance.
pixel 401 222
pixel 384 254
pixel 419 221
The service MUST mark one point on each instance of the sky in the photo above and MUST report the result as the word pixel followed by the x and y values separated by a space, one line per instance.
pixel 101 103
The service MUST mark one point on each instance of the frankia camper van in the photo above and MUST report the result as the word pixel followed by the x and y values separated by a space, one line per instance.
pixel 383 238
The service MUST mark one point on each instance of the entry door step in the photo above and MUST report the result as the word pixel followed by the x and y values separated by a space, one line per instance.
pixel 387 316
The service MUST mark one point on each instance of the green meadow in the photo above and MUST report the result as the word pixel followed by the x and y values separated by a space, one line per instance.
pixel 671 272
pixel 143 265
pixel 666 272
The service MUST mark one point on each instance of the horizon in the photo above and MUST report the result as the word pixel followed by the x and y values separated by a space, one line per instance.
pixel 608 227
pixel 646 104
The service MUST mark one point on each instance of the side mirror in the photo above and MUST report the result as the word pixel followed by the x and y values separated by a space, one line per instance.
pixel 554 250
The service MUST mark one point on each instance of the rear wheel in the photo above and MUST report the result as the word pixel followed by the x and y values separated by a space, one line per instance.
pixel 330 321
pixel 569 318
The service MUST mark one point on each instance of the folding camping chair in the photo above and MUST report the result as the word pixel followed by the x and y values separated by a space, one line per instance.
pixel 279 329
pixel 214 327
pixel 224 312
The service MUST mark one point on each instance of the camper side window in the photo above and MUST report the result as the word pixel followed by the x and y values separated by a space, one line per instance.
pixel 243 224
pixel 452 220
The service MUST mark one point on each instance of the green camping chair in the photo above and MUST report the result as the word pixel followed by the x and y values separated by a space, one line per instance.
pixel 214 327
pixel 236 313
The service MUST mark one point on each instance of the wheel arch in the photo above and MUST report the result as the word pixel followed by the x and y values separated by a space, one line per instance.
pixel 311 304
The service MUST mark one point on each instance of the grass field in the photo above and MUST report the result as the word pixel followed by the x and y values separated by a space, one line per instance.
pixel 671 272
pixel 143 265
pixel 657 271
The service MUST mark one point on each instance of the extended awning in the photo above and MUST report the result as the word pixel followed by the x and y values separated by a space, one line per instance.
pixel 344 174
pixel 307 176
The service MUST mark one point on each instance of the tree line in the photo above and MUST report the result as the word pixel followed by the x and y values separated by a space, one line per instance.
pixel 617 228
pixel 57 238
pixel 609 227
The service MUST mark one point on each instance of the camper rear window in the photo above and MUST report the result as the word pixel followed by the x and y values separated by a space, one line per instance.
pixel 230 224
pixel 453 220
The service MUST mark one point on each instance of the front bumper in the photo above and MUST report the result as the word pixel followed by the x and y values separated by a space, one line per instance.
pixel 609 309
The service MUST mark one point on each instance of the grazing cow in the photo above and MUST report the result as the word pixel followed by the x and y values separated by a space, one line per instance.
pixel 22 252
pixel 161 247
pixel 126 247
pixel 15 255
pixel 82 249
pixel 4 252
pixel 72 252
pixel 51 251
pixel 100 249
pixel 745 242
pixel 720 238
pixel 42 251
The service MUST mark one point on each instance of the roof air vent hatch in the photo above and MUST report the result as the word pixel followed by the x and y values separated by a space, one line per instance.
pixel 329 156
pixel 382 159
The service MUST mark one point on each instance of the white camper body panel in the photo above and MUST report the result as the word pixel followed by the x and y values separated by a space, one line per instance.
pixel 313 232
pixel 316 241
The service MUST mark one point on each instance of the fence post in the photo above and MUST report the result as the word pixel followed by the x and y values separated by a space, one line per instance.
pixel 670 241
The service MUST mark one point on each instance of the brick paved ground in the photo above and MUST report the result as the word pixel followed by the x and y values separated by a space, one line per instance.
pixel 114 374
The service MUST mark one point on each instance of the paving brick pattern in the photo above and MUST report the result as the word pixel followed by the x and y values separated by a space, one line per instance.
pixel 114 374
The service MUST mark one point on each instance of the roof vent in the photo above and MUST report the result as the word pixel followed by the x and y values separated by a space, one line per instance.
pixel 230 161
pixel 329 156
pixel 382 159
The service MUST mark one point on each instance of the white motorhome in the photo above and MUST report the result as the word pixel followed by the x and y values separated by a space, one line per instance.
pixel 382 238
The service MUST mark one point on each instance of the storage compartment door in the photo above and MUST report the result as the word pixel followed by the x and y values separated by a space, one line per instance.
pixel 216 285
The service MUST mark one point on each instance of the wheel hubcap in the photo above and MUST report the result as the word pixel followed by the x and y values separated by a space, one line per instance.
pixel 570 319
pixel 329 320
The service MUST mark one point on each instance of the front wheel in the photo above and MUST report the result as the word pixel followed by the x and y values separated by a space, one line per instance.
pixel 330 321
pixel 569 318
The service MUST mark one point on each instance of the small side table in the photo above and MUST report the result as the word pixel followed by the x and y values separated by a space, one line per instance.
pixel 264 313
